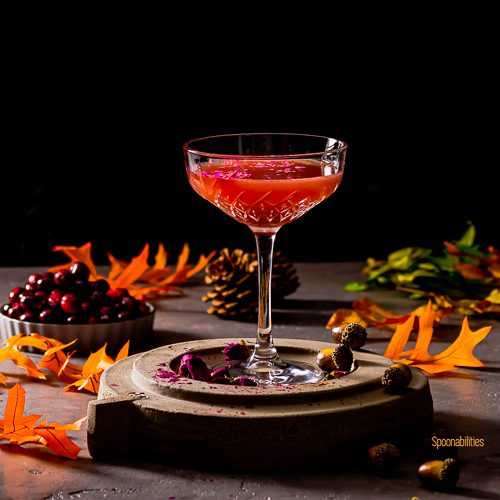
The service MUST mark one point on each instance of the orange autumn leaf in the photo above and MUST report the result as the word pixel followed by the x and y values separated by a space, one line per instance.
pixel 471 271
pixel 133 271
pixel 425 331
pixel 58 442
pixel 92 370
pixel 452 248
pixel 343 316
pixel 57 361
pixel 400 338
pixel 142 281
pixel 116 267
pixel 12 352
pixel 77 254
pixel 369 314
pixel 458 354
pixel 19 429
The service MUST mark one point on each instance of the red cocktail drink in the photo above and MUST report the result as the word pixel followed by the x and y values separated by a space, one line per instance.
pixel 265 194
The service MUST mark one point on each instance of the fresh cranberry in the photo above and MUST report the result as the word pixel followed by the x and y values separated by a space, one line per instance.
pixel 30 288
pixel 15 310
pixel 27 299
pixel 117 293
pixel 26 316
pixel 47 316
pixel 143 308
pixel 45 282
pixel 128 303
pixel 101 285
pixel 80 271
pixel 41 296
pixel 81 288
pixel 5 308
pixel 63 278
pixel 69 303
pixel 123 315
pixel 85 307
pixel 55 298
pixel 75 319
pixel 14 294
pixel 34 278
pixel 92 320
pixel 106 310
pixel 105 318
pixel 96 296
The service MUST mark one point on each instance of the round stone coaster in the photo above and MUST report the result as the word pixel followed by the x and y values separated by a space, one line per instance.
pixel 250 428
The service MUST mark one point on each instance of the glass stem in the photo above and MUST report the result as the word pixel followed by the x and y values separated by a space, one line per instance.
pixel 265 353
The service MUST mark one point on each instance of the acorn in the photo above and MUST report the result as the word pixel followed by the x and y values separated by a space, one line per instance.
pixel 385 458
pixel 335 358
pixel 439 474
pixel 324 359
pixel 353 335
pixel 396 378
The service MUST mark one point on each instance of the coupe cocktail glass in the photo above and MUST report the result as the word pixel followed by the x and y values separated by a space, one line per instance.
pixel 266 181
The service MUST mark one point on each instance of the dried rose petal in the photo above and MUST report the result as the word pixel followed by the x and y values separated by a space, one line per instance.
pixel 236 351
pixel 194 367
pixel 165 374
pixel 220 372
pixel 246 381
pixel 220 376
pixel 220 380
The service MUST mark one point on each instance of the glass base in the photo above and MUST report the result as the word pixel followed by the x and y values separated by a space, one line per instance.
pixel 283 373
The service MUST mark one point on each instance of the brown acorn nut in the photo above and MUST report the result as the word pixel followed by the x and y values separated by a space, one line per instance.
pixel 324 359
pixel 439 474
pixel 396 378
pixel 353 335
pixel 335 358
pixel 385 458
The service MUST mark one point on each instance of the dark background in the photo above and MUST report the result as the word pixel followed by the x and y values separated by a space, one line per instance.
pixel 91 142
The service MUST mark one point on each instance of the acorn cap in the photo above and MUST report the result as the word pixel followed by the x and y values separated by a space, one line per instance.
pixel 385 457
pixel 353 335
pixel 342 358
pixel 396 378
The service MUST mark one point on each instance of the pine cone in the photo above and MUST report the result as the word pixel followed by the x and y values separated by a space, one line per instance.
pixel 234 274
pixel 285 280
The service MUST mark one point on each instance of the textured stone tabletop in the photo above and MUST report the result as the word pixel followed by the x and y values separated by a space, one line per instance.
pixel 467 403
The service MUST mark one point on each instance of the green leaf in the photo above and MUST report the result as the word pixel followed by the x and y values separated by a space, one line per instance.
pixel 383 280
pixel 405 258
pixel 473 250
pixel 355 286
pixel 416 296
pixel 467 239
pixel 428 266
pixel 446 263
pixel 375 273
pixel 405 278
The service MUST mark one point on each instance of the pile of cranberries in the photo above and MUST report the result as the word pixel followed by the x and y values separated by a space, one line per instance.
pixel 68 297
